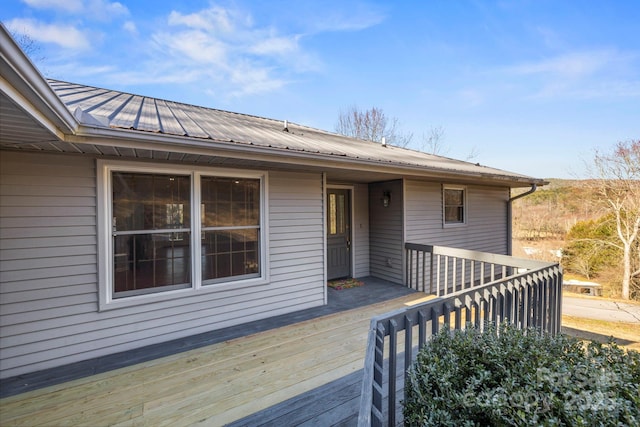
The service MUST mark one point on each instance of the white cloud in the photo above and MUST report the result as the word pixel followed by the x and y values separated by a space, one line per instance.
pixel 214 19
pixel 572 64
pixel 192 45
pixel 100 10
pixel 71 6
pixel 160 75
pixel 585 74
pixel 249 79
pixel 130 27
pixel 356 19
pixel 70 70
pixel 65 36
pixel 333 15
pixel 224 50
pixel 275 46
pixel 227 47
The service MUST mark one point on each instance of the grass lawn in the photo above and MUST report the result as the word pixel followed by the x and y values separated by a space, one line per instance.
pixel 625 334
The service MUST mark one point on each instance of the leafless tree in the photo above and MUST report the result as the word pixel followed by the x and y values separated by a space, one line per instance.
pixel 433 142
pixel 617 182
pixel 29 46
pixel 371 125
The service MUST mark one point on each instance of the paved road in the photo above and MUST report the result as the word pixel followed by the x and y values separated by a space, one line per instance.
pixel 595 308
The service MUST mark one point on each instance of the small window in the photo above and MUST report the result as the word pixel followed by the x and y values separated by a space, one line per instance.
pixel 337 221
pixel 454 199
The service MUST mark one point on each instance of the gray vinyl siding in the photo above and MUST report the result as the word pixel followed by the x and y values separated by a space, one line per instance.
pixel 486 218
pixel 386 232
pixel 48 273
pixel 361 230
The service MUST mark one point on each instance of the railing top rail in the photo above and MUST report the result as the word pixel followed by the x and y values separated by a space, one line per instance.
pixel 506 260
pixel 462 296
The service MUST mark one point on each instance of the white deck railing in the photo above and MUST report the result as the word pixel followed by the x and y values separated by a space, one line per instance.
pixel 470 287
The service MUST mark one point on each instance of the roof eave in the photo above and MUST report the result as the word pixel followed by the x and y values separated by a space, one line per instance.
pixel 98 135
pixel 24 85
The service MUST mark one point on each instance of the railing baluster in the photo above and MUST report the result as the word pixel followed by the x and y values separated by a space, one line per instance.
pixel 446 313
pixel 493 308
pixel 531 305
pixel 454 279
pixel 552 305
pixel 463 274
pixel 536 304
pixel 424 271
pixel 500 315
pixel 458 319
pixel 558 302
pixel 508 306
pixel 472 281
pixel 422 329
pixel 377 409
pixel 477 308
pixel 544 303
pixel 435 321
pixel 431 274
pixel 408 350
pixel 467 314
pixel 446 275
pixel 409 269
pixel 516 302
pixel 393 370
pixel 438 293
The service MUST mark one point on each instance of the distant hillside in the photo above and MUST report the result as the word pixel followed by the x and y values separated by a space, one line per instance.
pixel 552 210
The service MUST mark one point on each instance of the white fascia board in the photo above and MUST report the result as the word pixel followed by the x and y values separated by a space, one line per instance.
pixel 97 135
pixel 23 83
pixel 21 101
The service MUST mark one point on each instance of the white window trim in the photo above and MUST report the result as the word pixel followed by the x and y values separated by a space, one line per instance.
pixel 105 242
pixel 465 206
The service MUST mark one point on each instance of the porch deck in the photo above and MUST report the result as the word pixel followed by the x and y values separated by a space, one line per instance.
pixel 227 381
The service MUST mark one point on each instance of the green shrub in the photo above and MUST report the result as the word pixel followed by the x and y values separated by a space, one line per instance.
pixel 509 377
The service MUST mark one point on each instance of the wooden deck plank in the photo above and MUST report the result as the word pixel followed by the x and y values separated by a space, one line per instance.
pixel 181 366
pixel 217 384
pixel 164 389
pixel 334 401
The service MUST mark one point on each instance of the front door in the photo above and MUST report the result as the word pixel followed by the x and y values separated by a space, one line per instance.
pixel 338 233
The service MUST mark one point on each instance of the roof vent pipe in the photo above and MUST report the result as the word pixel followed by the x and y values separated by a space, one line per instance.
pixel 384 141
pixel 286 126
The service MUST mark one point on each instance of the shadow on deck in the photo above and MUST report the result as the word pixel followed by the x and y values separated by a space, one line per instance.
pixel 329 398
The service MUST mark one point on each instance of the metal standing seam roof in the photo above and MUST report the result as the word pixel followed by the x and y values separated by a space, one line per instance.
pixel 134 112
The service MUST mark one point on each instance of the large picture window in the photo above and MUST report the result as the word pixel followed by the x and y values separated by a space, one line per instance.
pixel 178 229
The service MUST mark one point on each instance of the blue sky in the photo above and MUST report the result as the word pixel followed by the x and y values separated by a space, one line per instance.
pixel 530 86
